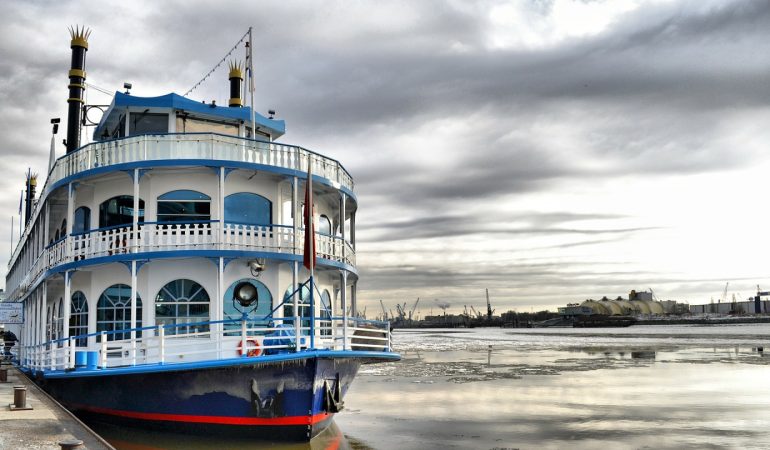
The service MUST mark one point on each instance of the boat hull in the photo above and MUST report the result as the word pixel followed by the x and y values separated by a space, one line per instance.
pixel 278 400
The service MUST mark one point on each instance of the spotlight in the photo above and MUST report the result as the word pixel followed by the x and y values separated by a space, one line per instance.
pixel 245 294
pixel 127 87
pixel 271 113
pixel 55 123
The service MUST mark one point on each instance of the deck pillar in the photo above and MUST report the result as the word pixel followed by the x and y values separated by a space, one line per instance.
pixel 133 310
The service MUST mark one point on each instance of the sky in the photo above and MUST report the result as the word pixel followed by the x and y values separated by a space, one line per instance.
pixel 550 151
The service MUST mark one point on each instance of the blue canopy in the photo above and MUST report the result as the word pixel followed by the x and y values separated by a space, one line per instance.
pixel 175 101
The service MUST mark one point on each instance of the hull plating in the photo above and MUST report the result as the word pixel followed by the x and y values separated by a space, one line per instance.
pixel 290 400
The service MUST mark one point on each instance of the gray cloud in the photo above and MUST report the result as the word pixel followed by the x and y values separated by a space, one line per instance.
pixel 442 132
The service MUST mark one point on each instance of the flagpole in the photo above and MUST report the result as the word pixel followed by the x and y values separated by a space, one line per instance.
pixel 251 86
pixel 11 236
pixel 312 263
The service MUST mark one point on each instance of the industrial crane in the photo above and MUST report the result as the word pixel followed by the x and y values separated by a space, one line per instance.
pixel 384 312
pixel 411 313
pixel 489 307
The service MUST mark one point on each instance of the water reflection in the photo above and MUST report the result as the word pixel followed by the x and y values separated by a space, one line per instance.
pixel 123 438
pixel 489 390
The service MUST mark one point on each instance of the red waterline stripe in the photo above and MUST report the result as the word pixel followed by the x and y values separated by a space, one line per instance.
pixel 220 420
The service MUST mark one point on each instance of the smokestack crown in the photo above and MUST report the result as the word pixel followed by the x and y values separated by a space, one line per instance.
pixel 79 37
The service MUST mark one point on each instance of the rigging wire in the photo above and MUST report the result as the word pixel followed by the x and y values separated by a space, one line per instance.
pixel 100 89
pixel 218 64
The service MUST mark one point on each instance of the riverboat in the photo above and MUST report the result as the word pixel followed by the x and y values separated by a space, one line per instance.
pixel 169 280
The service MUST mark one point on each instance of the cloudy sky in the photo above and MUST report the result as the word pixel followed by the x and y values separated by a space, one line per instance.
pixel 550 151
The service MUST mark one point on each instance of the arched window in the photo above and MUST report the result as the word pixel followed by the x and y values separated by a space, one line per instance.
pixel 119 211
pixel 324 225
pixel 256 318
pixel 183 206
pixel 179 302
pixel 113 312
pixel 326 313
pixel 79 318
pixel 82 220
pixel 303 304
pixel 248 208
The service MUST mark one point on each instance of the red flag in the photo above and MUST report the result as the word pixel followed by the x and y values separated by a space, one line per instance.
pixel 309 249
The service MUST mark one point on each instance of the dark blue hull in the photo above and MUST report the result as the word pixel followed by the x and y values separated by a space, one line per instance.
pixel 291 399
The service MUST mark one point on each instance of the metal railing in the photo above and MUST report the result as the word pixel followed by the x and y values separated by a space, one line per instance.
pixel 206 341
pixel 190 146
pixel 198 235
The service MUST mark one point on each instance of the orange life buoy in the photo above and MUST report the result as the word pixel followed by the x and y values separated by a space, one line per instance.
pixel 255 351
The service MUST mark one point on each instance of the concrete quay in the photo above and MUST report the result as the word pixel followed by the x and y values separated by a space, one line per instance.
pixel 44 426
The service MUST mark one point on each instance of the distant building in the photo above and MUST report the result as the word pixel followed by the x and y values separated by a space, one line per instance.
pixel 637 303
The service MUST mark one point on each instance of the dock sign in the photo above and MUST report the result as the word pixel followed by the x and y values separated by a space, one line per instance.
pixel 11 312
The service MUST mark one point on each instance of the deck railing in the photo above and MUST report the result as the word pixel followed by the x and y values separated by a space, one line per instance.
pixel 205 341
pixel 189 146
pixel 200 235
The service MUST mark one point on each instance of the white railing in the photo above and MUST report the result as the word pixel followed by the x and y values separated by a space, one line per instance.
pixel 216 340
pixel 198 146
pixel 205 235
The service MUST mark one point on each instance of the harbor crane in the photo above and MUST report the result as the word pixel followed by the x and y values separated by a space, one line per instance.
pixel 489 307
pixel 384 312
pixel 724 294
pixel 414 308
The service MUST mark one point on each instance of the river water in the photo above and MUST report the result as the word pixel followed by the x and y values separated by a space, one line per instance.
pixel 655 387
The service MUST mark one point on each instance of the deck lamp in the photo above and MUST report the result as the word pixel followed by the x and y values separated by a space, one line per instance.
pixel 245 294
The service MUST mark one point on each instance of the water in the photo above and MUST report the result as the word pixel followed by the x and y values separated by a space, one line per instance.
pixel 639 387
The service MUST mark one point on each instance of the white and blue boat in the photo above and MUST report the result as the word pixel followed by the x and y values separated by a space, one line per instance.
pixel 161 271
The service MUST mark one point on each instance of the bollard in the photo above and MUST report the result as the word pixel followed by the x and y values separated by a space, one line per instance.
pixel 3 375
pixel 20 396
pixel 19 399
pixel 70 444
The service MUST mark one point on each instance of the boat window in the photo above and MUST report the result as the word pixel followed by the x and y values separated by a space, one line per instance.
pixel 187 124
pixel 79 318
pixel 82 220
pixel 248 208
pixel 58 325
pixel 256 318
pixel 303 303
pixel 324 225
pixel 63 228
pixel 147 123
pixel 182 302
pixel 326 313
pixel 183 206
pixel 119 211
pixel 113 312
pixel 261 135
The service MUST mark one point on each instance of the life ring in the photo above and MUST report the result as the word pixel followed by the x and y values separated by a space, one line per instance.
pixel 256 351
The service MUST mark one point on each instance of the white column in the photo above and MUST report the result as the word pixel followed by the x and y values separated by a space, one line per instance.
pixel 70 207
pixel 135 222
pixel 219 313
pixel 67 304
pixel 133 312
pixel 46 232
pixel 294 215
pixel 221 207
pixel 43 312
pixel 342 223
pixel 344 305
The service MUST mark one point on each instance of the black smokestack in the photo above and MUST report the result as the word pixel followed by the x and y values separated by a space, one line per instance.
pixel 29 200
pixel 236 78
pixel 79 46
